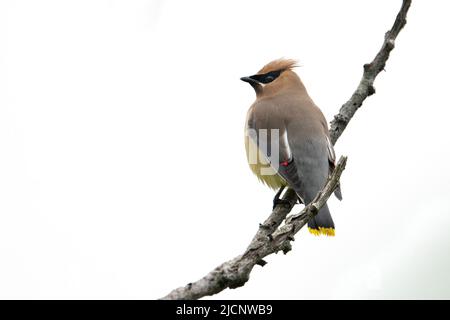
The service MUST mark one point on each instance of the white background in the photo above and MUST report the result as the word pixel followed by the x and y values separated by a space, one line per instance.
pixel 122 165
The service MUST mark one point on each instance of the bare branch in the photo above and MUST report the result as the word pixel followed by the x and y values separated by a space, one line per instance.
pixel 236 272
pixel 270 237
pixel 371 70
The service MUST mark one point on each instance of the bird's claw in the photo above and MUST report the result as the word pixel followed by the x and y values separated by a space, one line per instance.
pixel 277 202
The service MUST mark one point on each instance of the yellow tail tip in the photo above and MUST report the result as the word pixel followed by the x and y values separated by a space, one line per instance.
pixel 322 231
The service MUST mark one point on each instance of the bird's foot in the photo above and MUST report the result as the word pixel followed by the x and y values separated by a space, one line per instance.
pixel 278 201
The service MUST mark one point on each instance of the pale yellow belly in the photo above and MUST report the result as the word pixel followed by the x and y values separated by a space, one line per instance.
pixel 261 168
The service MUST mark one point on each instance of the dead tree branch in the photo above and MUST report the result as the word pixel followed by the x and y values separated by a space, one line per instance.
pixel 371 70
pixel 236 272
pixel 271 238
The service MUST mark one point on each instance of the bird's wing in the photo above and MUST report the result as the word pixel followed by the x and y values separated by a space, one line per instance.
pixel 267 129
pixel 285 153
pixel 286 167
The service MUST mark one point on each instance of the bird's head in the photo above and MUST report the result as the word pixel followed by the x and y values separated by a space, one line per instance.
pixel 274 77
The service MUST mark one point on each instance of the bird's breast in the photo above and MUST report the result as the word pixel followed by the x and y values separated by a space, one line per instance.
pixel 260 166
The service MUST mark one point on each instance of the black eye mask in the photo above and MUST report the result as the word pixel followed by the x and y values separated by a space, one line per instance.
pixel 266 77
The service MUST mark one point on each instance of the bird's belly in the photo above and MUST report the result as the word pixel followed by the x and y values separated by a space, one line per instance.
pixel 272 180
pixel 262 169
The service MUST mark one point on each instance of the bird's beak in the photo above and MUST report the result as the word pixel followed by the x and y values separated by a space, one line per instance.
pixel 250 80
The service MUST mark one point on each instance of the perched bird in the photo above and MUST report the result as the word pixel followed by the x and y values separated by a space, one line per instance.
pixel 287 139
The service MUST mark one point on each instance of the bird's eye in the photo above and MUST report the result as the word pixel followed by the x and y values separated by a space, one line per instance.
pixel 270 78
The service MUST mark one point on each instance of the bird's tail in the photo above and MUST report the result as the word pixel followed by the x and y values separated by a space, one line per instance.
pixel 322 223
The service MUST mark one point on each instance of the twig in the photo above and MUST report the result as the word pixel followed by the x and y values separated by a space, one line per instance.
pixel 270 238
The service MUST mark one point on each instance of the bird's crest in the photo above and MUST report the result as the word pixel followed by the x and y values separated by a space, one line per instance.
pixel 279 64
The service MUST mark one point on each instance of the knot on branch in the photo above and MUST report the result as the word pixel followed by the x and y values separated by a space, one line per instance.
pixel 286 247
pixel 367 67
pixel 237 279
pixel 390 44
pixel 261 262
pixel 313 208
pixel 264 226
pixel 228 275
pixel 340 118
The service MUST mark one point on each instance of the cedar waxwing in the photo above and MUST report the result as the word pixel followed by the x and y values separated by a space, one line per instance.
pixel 287 139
